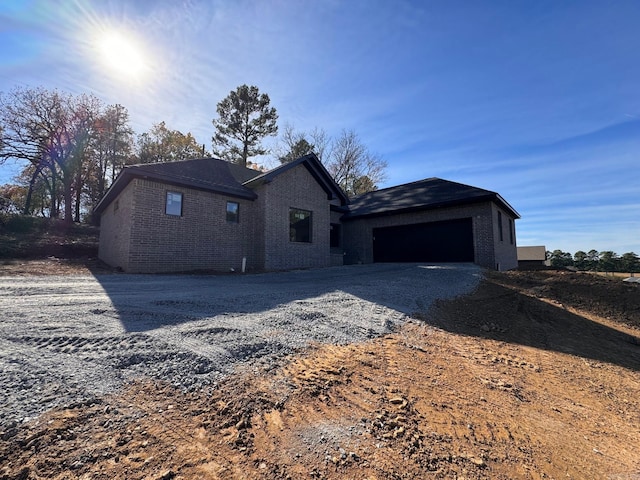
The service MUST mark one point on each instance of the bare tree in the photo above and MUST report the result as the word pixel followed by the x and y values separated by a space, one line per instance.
pixel 51 131
pixel 111 149
pixel 292 145
pixel 24 114
pixel 347 159
pixel 321 143
pixel 353 167
pixel 66 144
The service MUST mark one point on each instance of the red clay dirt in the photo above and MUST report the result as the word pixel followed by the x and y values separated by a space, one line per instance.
pixel 535 375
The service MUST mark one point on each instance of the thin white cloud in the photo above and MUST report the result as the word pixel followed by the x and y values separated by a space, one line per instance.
pixel 505 98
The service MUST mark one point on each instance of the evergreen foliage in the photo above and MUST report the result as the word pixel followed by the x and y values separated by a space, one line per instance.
pixel 245 118
pixel 606 261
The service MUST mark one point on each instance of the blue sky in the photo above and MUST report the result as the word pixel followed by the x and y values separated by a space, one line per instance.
pixel 536 100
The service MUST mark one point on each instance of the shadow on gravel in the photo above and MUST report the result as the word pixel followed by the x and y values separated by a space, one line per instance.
pixel 502 313
pixel 146 302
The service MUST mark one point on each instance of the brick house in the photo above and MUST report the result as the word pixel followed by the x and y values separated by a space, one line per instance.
pixel 208 214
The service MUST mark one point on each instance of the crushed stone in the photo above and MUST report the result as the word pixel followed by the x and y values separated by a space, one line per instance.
pixel 69 339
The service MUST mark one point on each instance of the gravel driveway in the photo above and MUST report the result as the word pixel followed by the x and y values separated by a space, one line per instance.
pixel 68 339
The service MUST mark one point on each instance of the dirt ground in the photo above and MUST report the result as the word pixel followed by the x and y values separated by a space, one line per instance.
pixel 535 375
pixel 53 265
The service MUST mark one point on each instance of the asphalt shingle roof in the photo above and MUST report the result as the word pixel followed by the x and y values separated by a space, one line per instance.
pixel 219 176
pixel 208 174
pixel 425 194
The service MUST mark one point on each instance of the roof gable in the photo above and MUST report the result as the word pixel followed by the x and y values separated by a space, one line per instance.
pixel 425 194
pixel 315 168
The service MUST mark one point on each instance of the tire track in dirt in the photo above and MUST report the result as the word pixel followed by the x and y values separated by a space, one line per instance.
pixel 83 336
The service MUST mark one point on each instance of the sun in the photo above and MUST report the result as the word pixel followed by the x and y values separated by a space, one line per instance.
pixel 122 55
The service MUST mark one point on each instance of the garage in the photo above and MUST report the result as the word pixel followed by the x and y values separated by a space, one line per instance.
pixel 447 241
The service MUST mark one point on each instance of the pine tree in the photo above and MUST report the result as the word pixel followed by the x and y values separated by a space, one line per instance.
pixel 245 118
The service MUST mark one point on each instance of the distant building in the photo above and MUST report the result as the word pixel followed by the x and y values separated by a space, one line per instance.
pixel 532 257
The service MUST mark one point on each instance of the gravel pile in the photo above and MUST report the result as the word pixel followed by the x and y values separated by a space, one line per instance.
pixel 65 340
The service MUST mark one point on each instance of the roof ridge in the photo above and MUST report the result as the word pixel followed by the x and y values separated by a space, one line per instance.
pixel 424 180
pixel 403 185
pixel 188 160
pixel 169 162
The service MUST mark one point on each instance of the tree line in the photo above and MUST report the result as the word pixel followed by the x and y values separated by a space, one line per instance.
pixel 74 146
pixel 593 260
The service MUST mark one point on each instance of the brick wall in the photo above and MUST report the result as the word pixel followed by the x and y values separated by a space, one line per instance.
pixel 506 252
pixel 200 239
pixel 483 234
pixel 140 237
pixel 358 233
pixel 115 230
pixel 295 188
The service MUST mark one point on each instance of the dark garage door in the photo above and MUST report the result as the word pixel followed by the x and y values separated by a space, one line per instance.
pixel 450 241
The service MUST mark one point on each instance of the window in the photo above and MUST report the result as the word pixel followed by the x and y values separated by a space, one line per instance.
pixel 233 212
pixel 299 225
pixel 174 204
pixel 511 231
pixel 334 235
pixel 500 226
